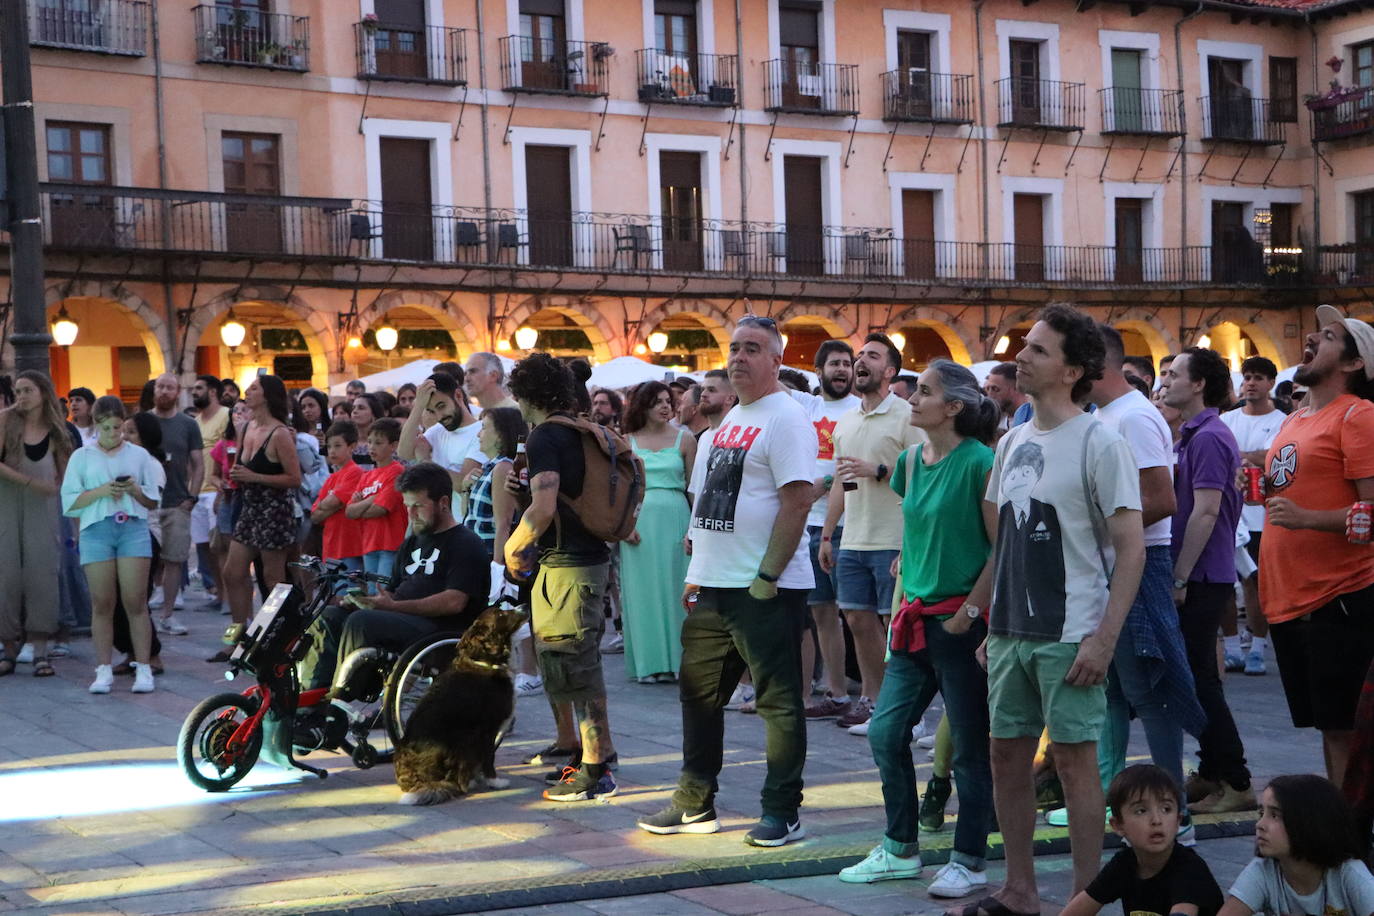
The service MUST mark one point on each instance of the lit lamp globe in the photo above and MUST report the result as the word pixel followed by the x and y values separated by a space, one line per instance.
pixel 1003 345
pixel 526 337
pixel 387 337
pixel 232 331
pixel 898 340
pixel 64 330
pixel 658 341
pixel 355 352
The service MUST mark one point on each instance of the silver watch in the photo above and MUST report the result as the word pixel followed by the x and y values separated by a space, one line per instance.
pixel 973 611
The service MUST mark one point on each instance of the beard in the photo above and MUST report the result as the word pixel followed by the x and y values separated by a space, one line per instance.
pixel 834 389
pixel 863 384
pixel 451 422
pixel 1307 376
pixel 200 401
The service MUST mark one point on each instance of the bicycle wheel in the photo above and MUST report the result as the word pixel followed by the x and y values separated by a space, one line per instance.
pixel 410 680
pixel 203 746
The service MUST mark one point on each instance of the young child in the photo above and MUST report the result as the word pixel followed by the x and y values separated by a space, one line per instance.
pixel 343 536
pixel 376 501
pixel 1154 874
pixel 1309 855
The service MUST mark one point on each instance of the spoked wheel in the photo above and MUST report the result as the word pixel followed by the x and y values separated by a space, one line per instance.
pixel 369 741
pixel 410 680
pixel 204 749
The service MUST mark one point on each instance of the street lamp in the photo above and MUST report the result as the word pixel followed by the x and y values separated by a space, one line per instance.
pixel 232 331
pixel 1003 345
pixel 1205 342
pixel 898 340
pixel 526 337
pixel 658 341
pixel 387 336
pixel 64 329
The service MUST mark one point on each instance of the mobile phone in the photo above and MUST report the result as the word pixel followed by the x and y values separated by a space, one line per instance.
pixel 123 478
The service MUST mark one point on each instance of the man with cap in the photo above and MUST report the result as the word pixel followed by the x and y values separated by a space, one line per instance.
pixel 1317 588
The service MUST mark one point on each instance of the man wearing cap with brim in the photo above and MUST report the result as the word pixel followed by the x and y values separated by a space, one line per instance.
pixel 1317 588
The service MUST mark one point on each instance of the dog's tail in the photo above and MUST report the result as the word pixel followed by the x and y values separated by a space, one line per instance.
pixel 432 795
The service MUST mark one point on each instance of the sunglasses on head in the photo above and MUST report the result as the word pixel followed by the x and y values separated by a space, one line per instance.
pixel 759 320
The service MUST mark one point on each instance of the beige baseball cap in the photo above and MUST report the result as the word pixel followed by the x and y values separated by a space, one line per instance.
pixel 1360 331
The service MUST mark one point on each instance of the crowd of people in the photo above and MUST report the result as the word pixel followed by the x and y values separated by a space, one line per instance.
pixel 1052 550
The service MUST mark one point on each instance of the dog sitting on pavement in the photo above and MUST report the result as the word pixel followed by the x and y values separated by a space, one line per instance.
pixel 449 745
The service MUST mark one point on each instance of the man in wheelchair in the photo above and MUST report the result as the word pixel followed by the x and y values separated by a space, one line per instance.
pixel 440 583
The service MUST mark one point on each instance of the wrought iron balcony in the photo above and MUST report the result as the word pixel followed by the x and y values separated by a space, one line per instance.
pixel 686 79
pixel 1141 112
pixel 918 95
pixel 1348 264
pixel 802 87
pixel 1041 104
pixel 1240 119
pixel 242 37
pixel 410 54
pixel 102 26
pixel 544 65
pixel 1349 115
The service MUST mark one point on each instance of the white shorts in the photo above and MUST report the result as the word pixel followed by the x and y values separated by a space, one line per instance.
pixel 203 518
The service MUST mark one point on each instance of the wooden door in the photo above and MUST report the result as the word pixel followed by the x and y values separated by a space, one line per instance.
pixel 1230 241
pixel 679 178
pixel 1230 100
pixel 1128 108
pixel 252 166
pixel 548 188
pixel 805 219
pixel 918 233
pixel 79 154
pixel 1130 240
pixel 399 41
pixel 1363 205
pixel 544 60
pixel 407 214
pixel 1028 250
pixel 800 35
pixel 1025 85
pixel 916 99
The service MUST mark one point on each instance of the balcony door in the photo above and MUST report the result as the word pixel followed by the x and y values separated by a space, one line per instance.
pixel 548 188
pixel 544 62
pixel 70 22
pixel 243 28
pixel 1231 242
pixel 1128 108
pixel 1231 116
pixel 804 214
pixel 1028 250
pixel 1363 205
pixel 1130 240
pixel 918 233
pixel 679 178
pixel 1025 86
pixel 80 154
pixel 399 41
pixel 799 33
pixel 913 68
pixel 407 207
pixel 252 166
pixel 675 36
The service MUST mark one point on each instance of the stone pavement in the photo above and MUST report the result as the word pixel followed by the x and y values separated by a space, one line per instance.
pixel 96 816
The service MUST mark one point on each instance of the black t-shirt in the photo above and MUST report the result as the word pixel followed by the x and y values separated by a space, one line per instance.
pixel 1185 878
pixel 427 564
pixel 566 542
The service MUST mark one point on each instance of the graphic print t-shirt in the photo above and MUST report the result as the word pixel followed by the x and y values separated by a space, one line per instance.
pixel 757 449
pixel 1050 583
pixel 824 415
pixel 1344 891
pixel 1184 879
pixel 343 536
pixel 387 531
pixel 427 564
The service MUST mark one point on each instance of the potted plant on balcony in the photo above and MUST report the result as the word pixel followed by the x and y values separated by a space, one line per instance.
pixel 291 54
pixel 1336 94
pixel 370 23
pixel 269 53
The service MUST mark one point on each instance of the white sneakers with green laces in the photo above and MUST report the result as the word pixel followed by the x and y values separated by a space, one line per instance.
pixel 881 865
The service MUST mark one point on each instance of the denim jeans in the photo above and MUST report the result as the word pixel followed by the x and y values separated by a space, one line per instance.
pixel 1221 755
pixel 863 579
pixel 727 631
pixel 380 563
pixel 948 665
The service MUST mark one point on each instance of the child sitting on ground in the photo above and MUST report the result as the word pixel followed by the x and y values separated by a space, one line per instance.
pixel 1310 855
pixel 1154 874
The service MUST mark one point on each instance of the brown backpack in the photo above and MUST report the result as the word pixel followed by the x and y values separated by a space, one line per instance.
pixel 613 484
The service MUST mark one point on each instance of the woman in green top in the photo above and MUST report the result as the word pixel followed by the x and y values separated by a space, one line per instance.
pixel 946 582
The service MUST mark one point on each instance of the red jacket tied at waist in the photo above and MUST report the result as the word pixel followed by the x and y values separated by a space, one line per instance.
pixel 908 630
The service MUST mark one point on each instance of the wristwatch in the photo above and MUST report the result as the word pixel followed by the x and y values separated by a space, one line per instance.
pixel 882 472
pixel 973 611
pixel 771 580
pixel 1180 583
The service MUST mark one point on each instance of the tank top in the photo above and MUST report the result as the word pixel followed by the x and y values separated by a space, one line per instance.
pixel 260 463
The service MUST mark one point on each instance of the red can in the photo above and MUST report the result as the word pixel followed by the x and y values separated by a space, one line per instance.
pixel 1254 485
pixel 1359 522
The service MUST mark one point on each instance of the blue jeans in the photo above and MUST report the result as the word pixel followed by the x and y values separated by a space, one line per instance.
pixel 946 665
pixel 378 562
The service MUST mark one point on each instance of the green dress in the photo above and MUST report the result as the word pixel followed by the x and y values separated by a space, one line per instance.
pixel 652 571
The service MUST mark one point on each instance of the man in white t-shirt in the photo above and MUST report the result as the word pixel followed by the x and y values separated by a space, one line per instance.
pixel 484 379
pixel 79 402
pixel 451 442
pixel 1254 424
pixel 746 589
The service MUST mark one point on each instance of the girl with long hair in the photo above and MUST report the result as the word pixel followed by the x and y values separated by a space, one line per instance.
pixel 34 450
pixel 144 430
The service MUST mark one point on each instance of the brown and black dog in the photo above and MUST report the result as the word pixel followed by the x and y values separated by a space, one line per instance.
pixel 449 746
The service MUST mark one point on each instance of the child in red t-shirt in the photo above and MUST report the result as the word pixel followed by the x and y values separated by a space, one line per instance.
pixel 343 536
pixel 377 502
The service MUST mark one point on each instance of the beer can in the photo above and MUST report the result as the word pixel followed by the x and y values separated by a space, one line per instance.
pixel 1254 485
pixel 1358 523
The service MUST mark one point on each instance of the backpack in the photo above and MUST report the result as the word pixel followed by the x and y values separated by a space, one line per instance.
pixel 613 485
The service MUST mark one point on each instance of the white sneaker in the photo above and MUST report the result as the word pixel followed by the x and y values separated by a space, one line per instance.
pixel 528 685
pixel 156 598
pixel 881 865
pixel 104 679
pixel 25 656
pixel 170 625
pixel 926 742
pixel 954 880
pixel 143 679
pixel 744 693
pixel 861 729
pixel 919 733
pixel 180 603
pixel 614 646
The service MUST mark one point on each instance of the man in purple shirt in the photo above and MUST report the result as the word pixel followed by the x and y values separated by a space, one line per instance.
pixel 1204 551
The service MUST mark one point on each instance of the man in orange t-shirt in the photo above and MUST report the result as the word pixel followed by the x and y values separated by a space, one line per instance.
pixel 1316 588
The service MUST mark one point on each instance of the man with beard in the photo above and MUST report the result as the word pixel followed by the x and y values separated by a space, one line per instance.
pixel 689 416
pixel 715 399
pixel 185 475
pixel 451 442
pixel 1000 385
pixel 212 420
pixel 229 393
pixel 607 408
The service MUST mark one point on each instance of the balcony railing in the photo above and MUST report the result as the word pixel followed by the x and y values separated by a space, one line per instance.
pixel 1043 104
pixel 1240 119
pixel 1349 116
pixel 918 95
pixel 1349 264
pixel 410 54
pixel 102 26
pixel 244 37
pixel 557 67
pixel 1143 112
pixel 809 88
pixel 686 79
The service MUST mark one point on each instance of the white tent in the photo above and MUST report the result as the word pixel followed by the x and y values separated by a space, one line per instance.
pixel 981 369
pixel 414 373
pixel 625 371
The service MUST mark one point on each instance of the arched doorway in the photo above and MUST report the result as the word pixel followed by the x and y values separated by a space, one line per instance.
pixel 558 334
pixel 276 340
pixel 115 352
pixel 802 338
pixel 1238 342
pixel 689 344
pixel 419 335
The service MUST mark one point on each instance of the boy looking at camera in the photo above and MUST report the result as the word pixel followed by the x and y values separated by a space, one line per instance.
pixel 343 536
pixel 377 502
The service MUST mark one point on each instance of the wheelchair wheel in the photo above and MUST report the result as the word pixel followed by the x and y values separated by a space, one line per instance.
pixel 410 680
pixel 203 746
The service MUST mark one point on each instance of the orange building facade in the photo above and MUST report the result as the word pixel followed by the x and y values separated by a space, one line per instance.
pixel 598 170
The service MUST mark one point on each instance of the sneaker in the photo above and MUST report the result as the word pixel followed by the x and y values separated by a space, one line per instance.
pixel 926 742
pixel 881 865
pixel 614 646
pixel 861 729
pixel 932 816
pixel 104 679
pixel 919 732
pixel 143 679
pixel 156 599
pixel 1187 833
pixel 828 708
pixel 555 776
pixel 1226 799
pixel 647 679
pixel 59 650
pixel 955 880
pixel 1234 663
pixel 552 754
pixel 1254 664
pixel 171 626
pixel 1057 817
pixel 25 656
pixel 673 819
pixel 775 831
pixel 1197 787
pixel 744 693
pixel 180 603
pixel 528 685
pixel 580 785
pixel 859 712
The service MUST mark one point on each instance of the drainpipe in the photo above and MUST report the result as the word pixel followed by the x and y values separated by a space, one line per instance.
pixel 1316 168
pixel 983 189
pixel 739 99
pixel 1183 151
pixel 486 160
pixel 178 352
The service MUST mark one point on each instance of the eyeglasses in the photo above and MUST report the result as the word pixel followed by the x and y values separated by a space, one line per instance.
pixel 759 320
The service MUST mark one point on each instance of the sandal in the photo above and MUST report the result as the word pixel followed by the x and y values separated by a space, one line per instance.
pixel 42 667
pixel 6 665
pixel 988 906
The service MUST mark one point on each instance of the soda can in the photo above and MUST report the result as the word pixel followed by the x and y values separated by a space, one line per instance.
pixel 1359 522
pixel 1254 485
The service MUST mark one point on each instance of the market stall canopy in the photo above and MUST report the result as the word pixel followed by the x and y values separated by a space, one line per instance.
pixel 414 373
pixel 625 371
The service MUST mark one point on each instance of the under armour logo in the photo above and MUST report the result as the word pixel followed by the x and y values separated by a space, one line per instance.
pixel 1284 466
pixel 427 562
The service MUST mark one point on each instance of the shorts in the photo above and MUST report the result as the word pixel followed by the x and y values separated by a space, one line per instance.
pixel 568 621
pixel 203 518
pixel 176 534
pixel 864 579
pixel 1323 659
pixel 110 540
pixel 1026 692
pixel 826 582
